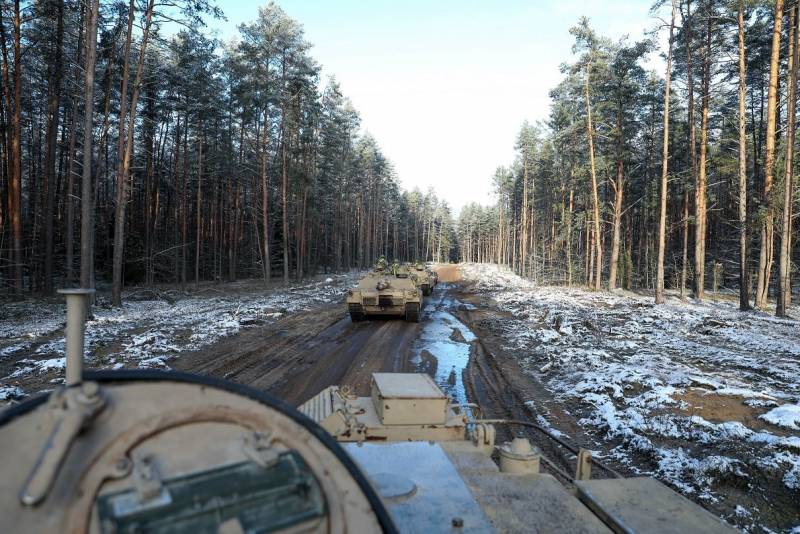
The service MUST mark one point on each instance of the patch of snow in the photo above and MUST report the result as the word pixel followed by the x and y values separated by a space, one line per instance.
pixel 759 403
pixel 787 416
pixel 53 364
pixel 792 477
pixel 544 423
pixel 741 511
pixel 10 393
pixel 488 276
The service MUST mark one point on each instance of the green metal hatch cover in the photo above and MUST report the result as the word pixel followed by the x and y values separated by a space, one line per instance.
pixel 261 499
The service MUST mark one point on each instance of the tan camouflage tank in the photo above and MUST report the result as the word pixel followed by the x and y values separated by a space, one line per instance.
pixel 381 293
pixel 425 278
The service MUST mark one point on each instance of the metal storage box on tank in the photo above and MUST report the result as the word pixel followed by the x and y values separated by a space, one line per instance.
pixel 408 399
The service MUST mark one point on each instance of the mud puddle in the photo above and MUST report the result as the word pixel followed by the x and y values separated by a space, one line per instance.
pixel 443 347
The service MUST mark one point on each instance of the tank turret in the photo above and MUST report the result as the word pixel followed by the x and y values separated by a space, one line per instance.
pixel 425 278
pixel 382 294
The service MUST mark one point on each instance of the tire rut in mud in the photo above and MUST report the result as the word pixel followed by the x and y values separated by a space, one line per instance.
pixel 487 386
pixel 298 356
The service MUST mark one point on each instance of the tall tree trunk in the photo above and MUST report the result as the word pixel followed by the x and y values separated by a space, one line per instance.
pixel 702 175
pixel 284 182
pixel 523 252
pixel 87 186
pixel 744 297
pixel 765 256
pixel 53 98
pixel 784 296
pixel 285 204
pixel 692 139
pixel 265 195
pixel 590 242
pixel 685 248
pixel 569 223
pixel 124 173
pixel 121 179
pixel 662 218
pixel 598 282
pixel 14 148
pixel 619 190
pixel 199 208
pixel 70 223
pixel 234 235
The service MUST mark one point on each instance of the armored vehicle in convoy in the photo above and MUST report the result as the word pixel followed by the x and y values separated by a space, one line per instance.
pixel 426 279
pixel 164 452
pixel 382 293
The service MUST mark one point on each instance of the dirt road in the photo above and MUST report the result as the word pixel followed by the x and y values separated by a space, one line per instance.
pixel 300 355
pixel 297 357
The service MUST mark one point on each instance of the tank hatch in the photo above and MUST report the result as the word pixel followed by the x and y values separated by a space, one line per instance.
pixel 165 452
pixel 260 498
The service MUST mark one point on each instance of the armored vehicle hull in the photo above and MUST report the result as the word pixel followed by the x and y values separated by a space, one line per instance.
pixel 425 279
pixel 432 464
pixel 384 294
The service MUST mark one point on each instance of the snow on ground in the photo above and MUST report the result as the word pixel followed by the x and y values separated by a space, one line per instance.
pixel 691 392
pixel 145 333
pixel 787 416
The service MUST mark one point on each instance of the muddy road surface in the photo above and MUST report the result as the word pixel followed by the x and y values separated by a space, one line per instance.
pixel 300 355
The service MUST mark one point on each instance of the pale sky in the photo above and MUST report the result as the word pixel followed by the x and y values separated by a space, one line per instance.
pixel 445 85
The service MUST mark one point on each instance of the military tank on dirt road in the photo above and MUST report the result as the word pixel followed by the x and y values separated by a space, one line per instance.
pixel 165 452
pixel 382 293
pixel 426 279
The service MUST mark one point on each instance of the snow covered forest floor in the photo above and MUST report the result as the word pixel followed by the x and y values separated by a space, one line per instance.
pixel 151 327
pixel 698 394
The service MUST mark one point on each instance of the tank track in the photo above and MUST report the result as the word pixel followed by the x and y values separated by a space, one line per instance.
pixel 356 313
pixel 412 312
